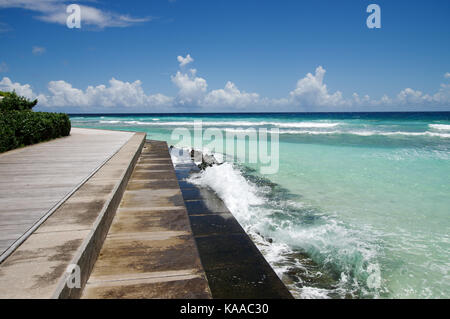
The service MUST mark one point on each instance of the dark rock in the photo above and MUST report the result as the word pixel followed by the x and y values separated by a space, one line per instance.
pixel 207 161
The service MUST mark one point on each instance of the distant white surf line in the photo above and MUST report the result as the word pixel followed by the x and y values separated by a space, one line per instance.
pixel 228 123
pixel 307 124
pixel 441 127
pixel 110 122
pixel 359 133
pixel 312 125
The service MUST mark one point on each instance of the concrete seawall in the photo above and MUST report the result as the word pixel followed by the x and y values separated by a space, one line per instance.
pixel 234 266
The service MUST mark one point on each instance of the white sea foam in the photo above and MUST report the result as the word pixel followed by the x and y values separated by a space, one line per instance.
pixel 299 128
pixel 327 242
pixel 307 124
pixel 417 134
pixel 157 122
pixel 365 133
pixel 314 293
pixel 232 187
pixel 441 127
pixel 110 122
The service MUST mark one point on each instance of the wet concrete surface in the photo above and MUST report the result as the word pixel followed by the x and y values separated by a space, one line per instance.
pixel 149 251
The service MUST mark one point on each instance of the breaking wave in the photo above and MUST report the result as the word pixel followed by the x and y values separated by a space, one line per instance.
pixel 316 255
pixel 299 128
pixel 441 127
pixel 157 122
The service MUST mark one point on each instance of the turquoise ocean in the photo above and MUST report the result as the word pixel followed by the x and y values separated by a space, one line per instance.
pixel 360 204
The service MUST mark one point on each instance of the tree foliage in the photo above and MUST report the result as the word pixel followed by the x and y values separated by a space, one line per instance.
pixel 10 101
pixel 20 126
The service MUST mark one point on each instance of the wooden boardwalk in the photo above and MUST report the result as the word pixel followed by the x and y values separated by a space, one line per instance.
pixel 35 180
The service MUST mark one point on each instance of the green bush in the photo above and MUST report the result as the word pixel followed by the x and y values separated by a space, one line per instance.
pixel 10 101
pixel 21 128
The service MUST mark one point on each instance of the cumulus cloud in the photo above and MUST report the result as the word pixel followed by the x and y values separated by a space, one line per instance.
pixel 447 75
pixel 118 93
pixel 409 97
pixel 310 93
pixel 184 61
pixel 38 50
pixel 230 96
pixel 442 96
pixel 193 90
pixel 191 87
pixel 412 97
pixel 7 85
pixel 54 11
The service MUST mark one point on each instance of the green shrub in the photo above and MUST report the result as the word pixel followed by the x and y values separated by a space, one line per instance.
pixel 10 101
pixel 21 128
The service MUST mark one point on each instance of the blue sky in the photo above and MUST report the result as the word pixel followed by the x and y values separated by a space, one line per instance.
pixel 247 55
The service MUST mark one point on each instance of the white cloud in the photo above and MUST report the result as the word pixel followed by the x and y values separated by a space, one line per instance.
pixel 118 93
pixel 230 96
pixel 409 96
pixel 193 91
pixel 310 93
pixel 38 50
pixel 63 94
pixel 54 11
pixel 25 90
pixel 447 75
pixel 191 87
pixel 442 97
pixel 184 61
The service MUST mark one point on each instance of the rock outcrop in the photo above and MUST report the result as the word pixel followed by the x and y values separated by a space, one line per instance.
pixel 204 159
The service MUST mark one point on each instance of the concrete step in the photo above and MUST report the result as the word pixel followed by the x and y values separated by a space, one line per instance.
pixel 150 251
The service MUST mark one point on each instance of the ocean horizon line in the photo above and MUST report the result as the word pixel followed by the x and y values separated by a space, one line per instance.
pixel 274 113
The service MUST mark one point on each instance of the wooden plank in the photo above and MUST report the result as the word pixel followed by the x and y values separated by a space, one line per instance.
pixel 36 178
